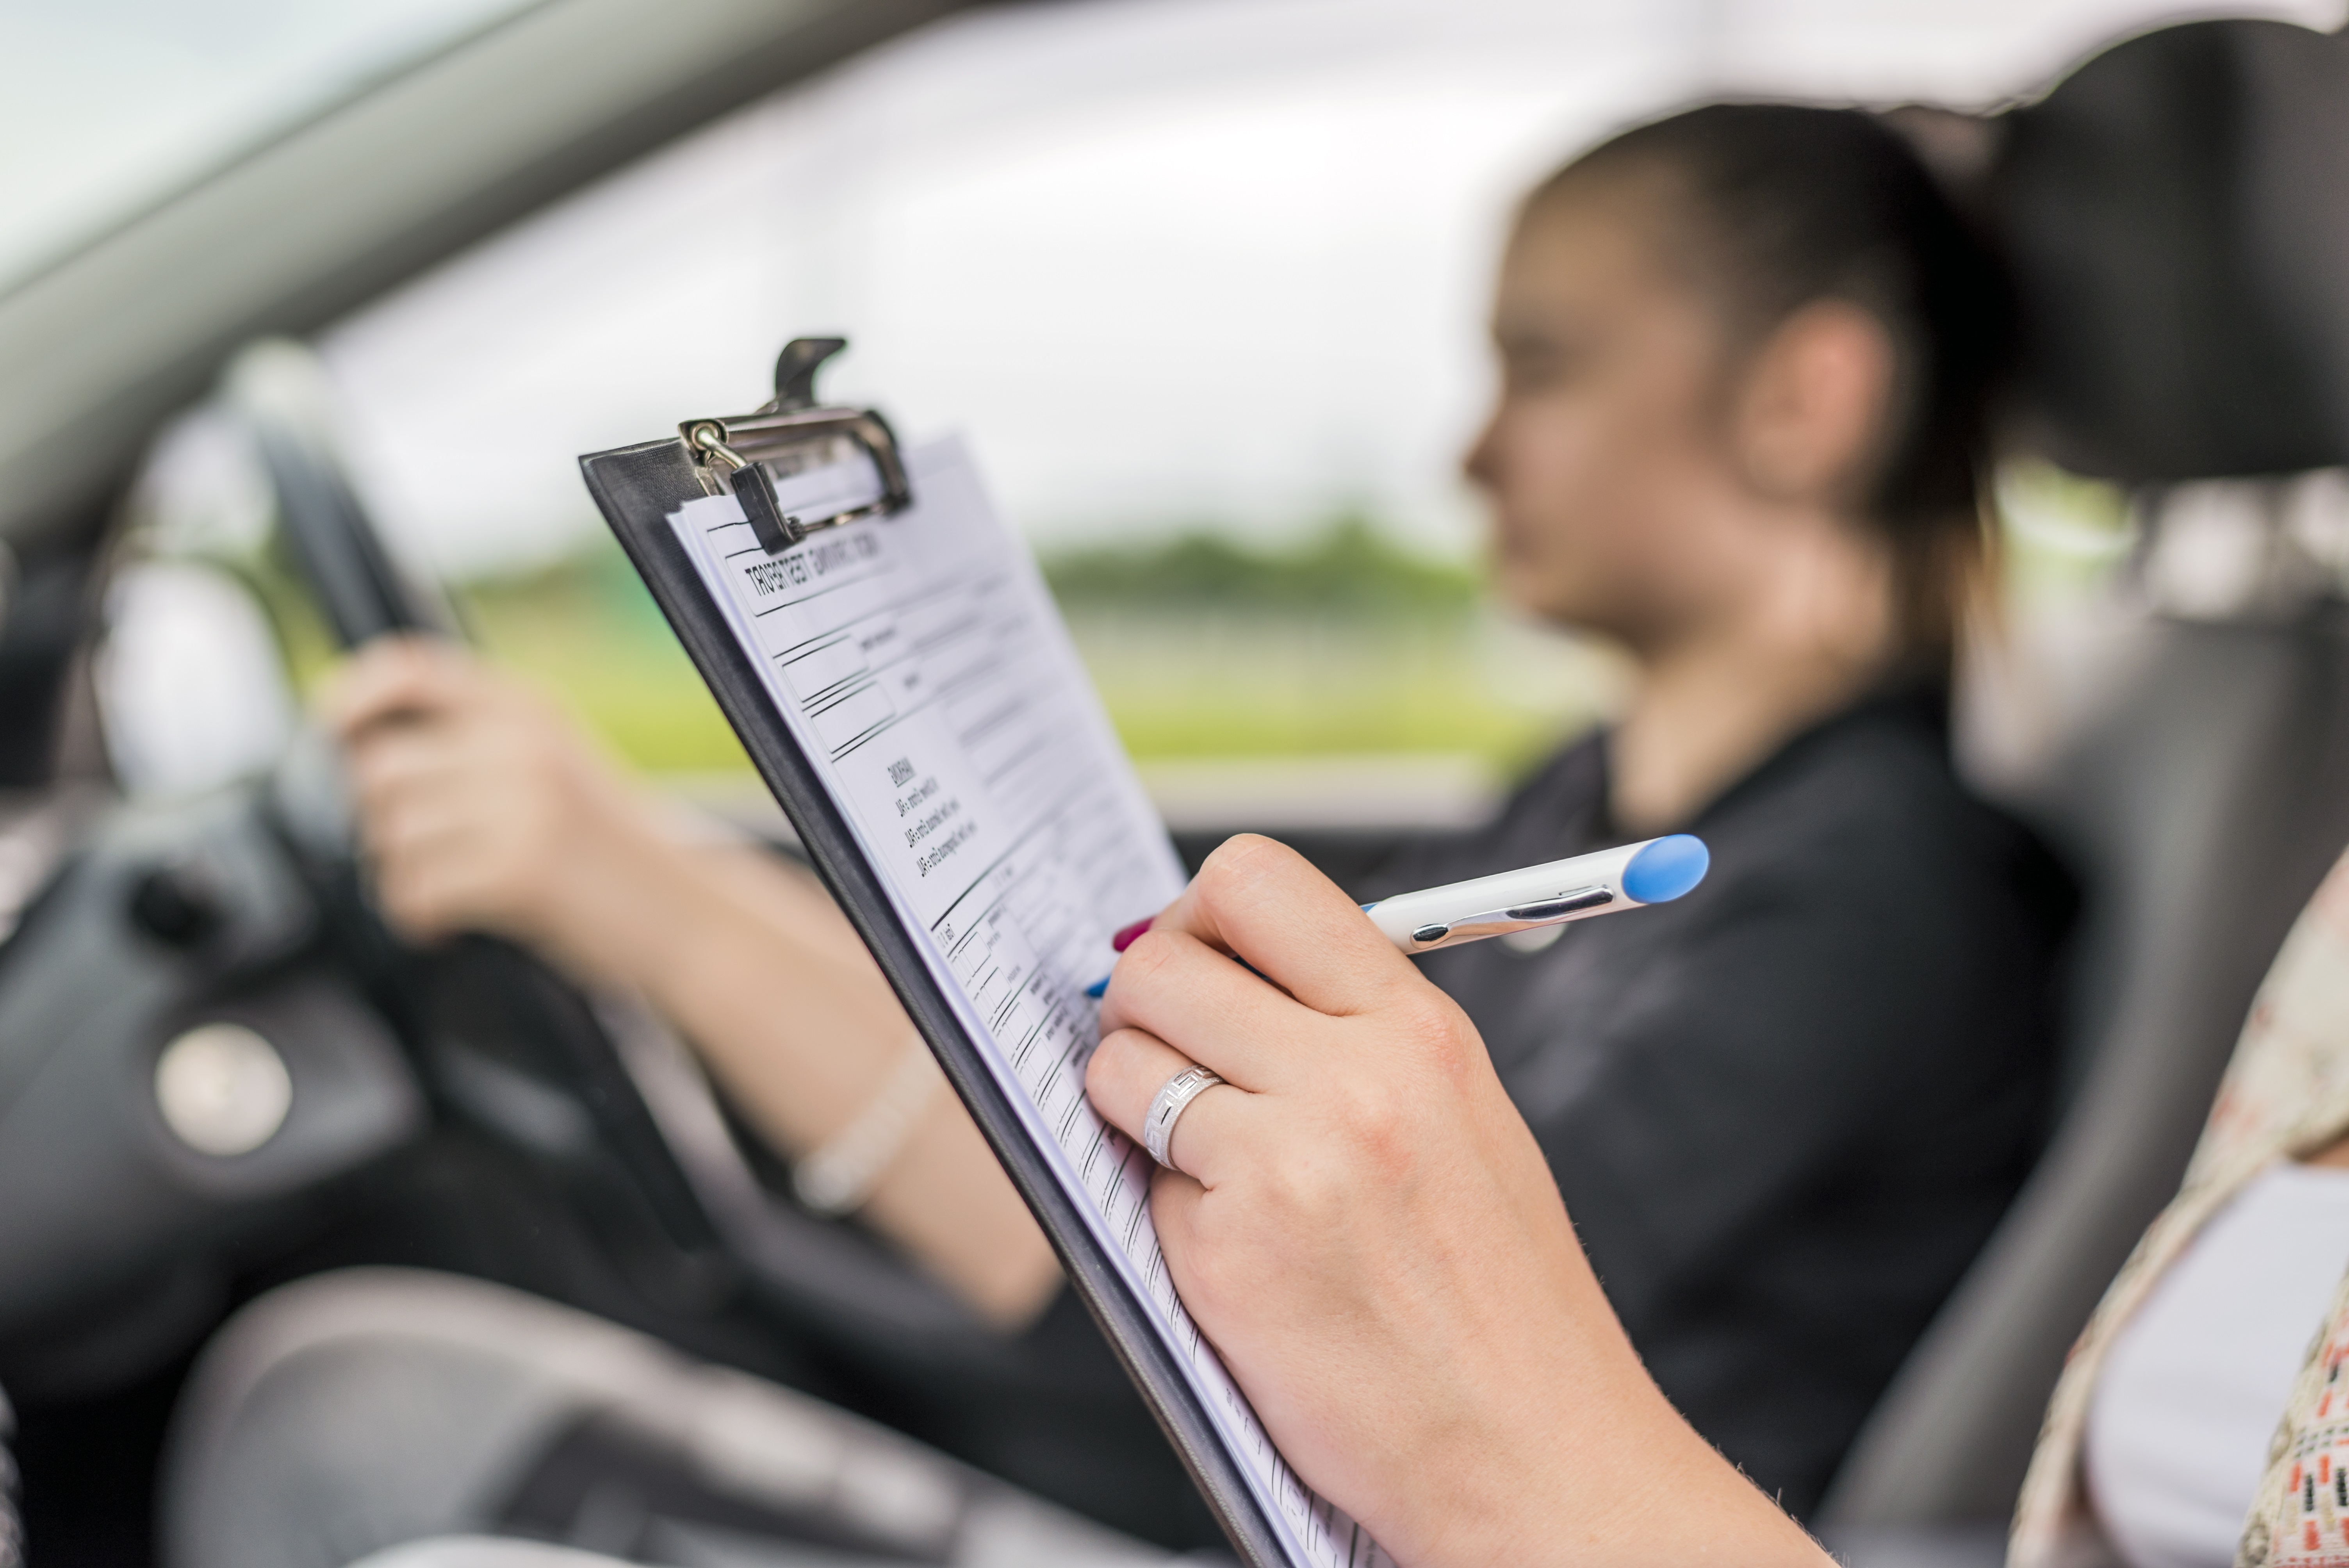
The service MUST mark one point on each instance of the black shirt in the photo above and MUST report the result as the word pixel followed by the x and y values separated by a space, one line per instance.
pixel 1787 1110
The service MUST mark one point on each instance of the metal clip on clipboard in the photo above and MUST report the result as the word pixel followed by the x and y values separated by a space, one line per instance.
pixel 790 435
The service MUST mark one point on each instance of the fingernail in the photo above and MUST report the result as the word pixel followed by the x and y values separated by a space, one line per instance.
pixel 1127 938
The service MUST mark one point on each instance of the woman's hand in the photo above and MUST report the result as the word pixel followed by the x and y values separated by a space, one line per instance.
pixel 482 808
pixel 1364 1227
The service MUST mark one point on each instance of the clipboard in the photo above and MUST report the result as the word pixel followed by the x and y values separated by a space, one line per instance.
pixel 641 491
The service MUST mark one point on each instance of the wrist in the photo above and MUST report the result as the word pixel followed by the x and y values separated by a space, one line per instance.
pixel 624 908
pixel 1587 1462
pixel 1521 1490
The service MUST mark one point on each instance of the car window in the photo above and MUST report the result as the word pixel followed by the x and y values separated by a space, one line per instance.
pixel 107 105
pixel 1202 282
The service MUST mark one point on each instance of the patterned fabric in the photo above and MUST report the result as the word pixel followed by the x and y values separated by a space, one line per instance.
pixel 2285 1095
pixel 2301 1512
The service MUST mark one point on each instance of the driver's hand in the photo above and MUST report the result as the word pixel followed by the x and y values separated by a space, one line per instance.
pixel 483 807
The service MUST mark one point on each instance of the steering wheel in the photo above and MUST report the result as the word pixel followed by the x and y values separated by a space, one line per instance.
pixel 653 1117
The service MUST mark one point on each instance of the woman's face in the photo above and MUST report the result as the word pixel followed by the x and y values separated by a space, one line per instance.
pixel 1616 502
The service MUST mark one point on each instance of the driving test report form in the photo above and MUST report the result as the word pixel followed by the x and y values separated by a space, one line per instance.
pixel 923 669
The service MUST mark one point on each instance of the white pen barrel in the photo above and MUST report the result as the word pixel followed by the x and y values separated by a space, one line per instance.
pixel 1651 872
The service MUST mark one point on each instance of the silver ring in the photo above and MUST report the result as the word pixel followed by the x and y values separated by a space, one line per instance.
pixel 1174 1098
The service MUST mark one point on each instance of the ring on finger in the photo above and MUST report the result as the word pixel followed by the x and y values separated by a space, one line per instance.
pixel 1174 1098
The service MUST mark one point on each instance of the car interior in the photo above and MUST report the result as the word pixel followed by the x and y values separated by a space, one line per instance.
pixel 446 1102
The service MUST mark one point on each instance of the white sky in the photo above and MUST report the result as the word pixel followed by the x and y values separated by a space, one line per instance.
pixel 1165 261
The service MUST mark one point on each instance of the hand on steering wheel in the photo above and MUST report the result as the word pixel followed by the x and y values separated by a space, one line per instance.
pixel 482 808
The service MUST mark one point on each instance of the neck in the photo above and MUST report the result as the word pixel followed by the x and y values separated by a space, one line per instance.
pixel 1810 629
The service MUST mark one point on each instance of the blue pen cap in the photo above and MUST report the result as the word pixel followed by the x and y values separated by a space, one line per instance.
pixel 1666 869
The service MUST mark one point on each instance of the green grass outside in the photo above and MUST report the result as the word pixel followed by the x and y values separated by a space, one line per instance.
pixel 589 632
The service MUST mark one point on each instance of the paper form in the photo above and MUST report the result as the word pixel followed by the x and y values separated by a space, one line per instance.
pixel 922 667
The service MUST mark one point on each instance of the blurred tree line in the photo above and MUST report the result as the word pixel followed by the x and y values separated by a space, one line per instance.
pixel 1347 568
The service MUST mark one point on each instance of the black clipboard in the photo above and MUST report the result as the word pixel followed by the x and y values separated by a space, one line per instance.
pixel 637 488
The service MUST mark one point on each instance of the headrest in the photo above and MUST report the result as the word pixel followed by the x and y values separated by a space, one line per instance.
pixel 2178 214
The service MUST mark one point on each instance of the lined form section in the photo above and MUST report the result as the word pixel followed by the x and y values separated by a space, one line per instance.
pixel 920 663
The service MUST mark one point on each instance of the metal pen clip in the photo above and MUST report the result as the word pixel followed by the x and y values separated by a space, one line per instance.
pixel 1518 917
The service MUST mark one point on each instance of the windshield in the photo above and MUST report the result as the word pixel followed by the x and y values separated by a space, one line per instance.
pixel 1205 284
pixel 109 106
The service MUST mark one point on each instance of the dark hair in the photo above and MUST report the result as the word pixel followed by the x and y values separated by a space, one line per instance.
pixel 1789 205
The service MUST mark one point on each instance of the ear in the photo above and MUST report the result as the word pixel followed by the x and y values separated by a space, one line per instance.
pixel 1814 405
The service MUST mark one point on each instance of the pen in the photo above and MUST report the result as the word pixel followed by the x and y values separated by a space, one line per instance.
pixel 1654 870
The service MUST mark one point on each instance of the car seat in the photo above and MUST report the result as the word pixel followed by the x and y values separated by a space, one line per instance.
pixel 2177 214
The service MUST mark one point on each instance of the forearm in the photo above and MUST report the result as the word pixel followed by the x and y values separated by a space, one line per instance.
pixel 1620 1479
pixel 752 961
pixel 1533 1433
pixel 768 981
